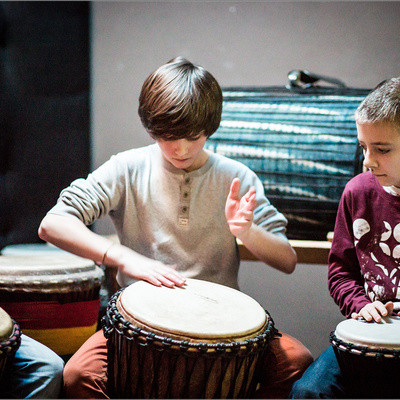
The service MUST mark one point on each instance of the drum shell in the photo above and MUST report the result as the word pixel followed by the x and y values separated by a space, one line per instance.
pixel 142 364
pixel 369 372
pixel 58 307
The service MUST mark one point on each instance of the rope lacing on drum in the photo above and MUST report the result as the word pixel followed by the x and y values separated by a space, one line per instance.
pixel 11 345
pixel 113 320
pixel 378 353
pixel 183 346
pixel 244 356
pixel 167 343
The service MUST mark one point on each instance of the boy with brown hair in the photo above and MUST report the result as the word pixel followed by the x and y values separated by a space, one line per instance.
pixel 177 210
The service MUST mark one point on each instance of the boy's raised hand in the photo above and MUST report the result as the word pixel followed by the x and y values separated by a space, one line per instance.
pixel 239 211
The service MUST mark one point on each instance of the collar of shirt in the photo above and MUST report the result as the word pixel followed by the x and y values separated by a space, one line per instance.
pixel 395 191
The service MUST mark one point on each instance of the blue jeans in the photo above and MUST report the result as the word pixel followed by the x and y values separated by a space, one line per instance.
pixel 35 372
pixel 322 379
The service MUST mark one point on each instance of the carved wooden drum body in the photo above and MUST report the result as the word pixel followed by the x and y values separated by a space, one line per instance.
pixel 368 354
pixel 203 340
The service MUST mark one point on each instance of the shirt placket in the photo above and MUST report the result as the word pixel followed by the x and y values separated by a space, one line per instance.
pixel 184 201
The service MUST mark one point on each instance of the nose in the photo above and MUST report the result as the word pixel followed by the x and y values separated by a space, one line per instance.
pixel 369 161
pixel 181 147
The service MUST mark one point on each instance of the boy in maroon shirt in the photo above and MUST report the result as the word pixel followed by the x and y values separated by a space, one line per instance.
pixel 364 262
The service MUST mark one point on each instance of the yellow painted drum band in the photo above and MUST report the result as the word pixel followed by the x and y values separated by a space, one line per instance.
pixel 64 341
pixel 30 284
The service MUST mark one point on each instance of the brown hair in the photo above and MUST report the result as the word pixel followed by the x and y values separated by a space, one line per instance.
pixel 180 100
pixel 382 105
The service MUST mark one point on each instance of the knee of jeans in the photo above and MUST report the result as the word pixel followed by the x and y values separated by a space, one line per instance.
pixel 300 390
pixel 51 365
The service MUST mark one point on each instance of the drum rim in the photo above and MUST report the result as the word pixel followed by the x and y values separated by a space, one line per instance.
pixel 360 350
pixel 10 346
pixel 68 273
pixel 114 321
pixel 149 307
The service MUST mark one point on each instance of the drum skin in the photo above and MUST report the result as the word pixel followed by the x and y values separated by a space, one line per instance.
pixel 157 350
pixel 10 340
pixel 54 297
pixel 368 354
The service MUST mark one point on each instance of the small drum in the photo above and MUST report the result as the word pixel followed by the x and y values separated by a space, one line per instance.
pixel 54 297
pixel 10 339
pixel 368 354
pixel 203 340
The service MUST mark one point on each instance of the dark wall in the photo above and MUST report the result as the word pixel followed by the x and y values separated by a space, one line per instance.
pixel 44 110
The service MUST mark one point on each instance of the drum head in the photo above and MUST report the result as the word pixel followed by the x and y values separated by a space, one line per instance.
pixel 385 334
pixel 53 272
pixel 199 310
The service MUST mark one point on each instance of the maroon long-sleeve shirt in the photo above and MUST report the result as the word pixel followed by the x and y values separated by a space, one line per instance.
pixel 364 261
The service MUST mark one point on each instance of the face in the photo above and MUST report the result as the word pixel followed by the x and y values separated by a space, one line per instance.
pixel 185 154
pixel 381 147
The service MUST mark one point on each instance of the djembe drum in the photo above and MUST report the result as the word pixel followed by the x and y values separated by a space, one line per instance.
pixel 54 297
pixel 203 340
pixel 368 354
pixel 10 340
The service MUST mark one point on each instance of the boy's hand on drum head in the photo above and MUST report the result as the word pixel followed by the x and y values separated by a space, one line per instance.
pixel 374 311
pixel 239 211
pixel 162 275
pixel 137 266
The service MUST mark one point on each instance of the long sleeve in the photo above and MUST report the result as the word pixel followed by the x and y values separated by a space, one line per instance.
pixel 345 281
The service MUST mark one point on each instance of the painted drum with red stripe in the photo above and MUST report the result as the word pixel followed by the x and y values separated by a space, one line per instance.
pixel 54 296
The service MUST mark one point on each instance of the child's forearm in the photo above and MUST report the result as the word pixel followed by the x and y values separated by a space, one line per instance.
pixel 70 234
pixel 269 248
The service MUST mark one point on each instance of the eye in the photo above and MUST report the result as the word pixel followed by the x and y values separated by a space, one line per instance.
pixel 383 151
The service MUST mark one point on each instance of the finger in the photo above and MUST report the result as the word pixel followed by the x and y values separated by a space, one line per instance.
pixel 174 277
pixel 380 308
pixel 371 314
pixel 235 189
pixel 389 307
pixel 165 281
pixel 169 269
pixel 250 194
pixel 238 222
pixel 355 315
pixel 151 279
